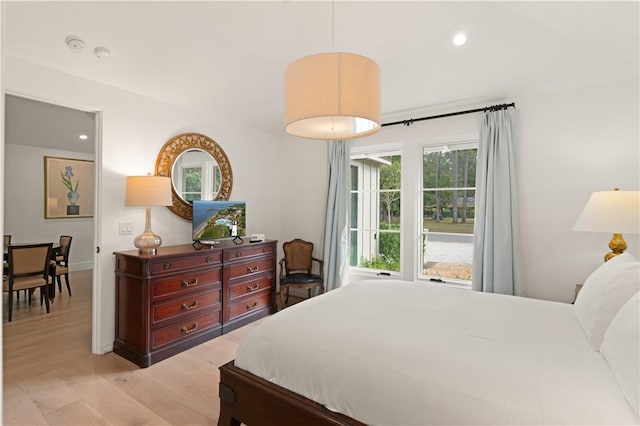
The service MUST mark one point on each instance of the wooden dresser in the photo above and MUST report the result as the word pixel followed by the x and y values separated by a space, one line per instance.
pixel 181 297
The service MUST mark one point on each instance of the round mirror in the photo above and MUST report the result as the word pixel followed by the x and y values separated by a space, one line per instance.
pixel 196 176
pixel 199 170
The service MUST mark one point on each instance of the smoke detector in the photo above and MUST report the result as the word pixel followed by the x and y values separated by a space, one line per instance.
pixel 75 43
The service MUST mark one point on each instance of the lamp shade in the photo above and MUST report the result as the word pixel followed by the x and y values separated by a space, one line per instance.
pixel 332 96
pixel 148 191
pixel 611 212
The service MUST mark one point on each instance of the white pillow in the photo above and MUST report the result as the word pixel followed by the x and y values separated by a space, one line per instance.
pixel 621 349
pixel 603 293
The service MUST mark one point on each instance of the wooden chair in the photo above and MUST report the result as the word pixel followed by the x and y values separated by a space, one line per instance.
pixel 296 269
pixel 6 242
pixel 28 269
pixel 62 262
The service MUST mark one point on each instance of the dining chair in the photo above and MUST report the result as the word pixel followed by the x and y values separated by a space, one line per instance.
pixel 62 262
pixel 296 269
pixel 6 242
pixel 28 269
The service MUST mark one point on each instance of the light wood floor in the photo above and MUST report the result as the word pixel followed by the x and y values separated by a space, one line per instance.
pixel 51 377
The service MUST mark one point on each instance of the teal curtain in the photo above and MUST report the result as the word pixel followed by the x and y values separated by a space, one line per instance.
pixel 497 265
pixel 336 231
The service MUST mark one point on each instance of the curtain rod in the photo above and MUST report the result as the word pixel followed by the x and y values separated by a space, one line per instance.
pixel 451 114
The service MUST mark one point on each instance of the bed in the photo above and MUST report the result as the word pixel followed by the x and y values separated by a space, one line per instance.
pixel 402 353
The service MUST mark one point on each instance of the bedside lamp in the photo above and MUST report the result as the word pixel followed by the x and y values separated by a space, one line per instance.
pixel 611 211
pixel 148 191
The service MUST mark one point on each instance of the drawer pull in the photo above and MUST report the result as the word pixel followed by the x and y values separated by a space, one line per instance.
pixel 252 306
pixel 188 308
pixel 208 259
pixel 238 253
pixel 191 284
pixel 166 265
pixel 186 330
pixel 254 269
pixel 253 288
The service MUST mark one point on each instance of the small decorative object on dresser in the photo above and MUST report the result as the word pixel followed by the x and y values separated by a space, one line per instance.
pixel 181 297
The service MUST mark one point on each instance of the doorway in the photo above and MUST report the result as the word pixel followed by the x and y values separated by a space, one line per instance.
pixel 39 133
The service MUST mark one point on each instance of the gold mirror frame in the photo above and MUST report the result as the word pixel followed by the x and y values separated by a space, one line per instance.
pixel 176 146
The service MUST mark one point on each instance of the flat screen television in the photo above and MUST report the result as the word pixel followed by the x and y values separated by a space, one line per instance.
pixel 217 219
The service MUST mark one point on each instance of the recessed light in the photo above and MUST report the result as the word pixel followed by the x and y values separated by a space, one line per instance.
pixel 83 137
pixel 460 39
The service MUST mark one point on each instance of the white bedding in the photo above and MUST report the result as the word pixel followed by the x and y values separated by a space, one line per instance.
pixel 399 353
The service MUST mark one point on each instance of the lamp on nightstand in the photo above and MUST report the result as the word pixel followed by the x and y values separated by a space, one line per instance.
pixel 612 212
pixel 148 191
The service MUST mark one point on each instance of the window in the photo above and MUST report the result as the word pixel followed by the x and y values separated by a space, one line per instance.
pixel 448 211
pixel 374 221
pixel 192 183
pixel 199 181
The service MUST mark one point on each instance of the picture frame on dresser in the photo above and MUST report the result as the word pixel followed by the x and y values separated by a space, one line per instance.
pixel 180 297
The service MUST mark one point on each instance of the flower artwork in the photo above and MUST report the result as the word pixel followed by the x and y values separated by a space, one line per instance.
pixel 72 208
pixel 62 181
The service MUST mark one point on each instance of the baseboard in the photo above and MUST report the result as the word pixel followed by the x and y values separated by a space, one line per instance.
pixel 104 349
pixel 80 266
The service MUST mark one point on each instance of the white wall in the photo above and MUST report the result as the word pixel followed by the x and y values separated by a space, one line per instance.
pixel 134 128
pixel 571 143
pixel 303 182
pixel 24 204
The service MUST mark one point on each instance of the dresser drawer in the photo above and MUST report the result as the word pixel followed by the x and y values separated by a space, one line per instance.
pixel 184 329
pixel 249 285
pixel 245 306
pixel 186 263
pixel 206 278
pixel 249 268
pixel 231 255
pixel 187 306
pixel 180 297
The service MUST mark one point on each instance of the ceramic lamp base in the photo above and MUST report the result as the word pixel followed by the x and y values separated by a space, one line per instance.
pixel 147 242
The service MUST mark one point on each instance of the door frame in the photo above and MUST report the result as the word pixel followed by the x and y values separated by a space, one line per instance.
pixel 97 202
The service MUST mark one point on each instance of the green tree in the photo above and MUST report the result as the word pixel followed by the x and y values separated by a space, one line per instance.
pixel 390 181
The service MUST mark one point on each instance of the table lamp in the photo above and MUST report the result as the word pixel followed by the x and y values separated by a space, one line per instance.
pixel 611 211
pixel 148 191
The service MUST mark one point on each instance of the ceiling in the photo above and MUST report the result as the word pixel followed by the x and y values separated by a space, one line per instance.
pixel 207 54
pixel 34 123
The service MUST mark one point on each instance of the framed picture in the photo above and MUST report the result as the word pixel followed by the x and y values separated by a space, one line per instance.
pixel 68 188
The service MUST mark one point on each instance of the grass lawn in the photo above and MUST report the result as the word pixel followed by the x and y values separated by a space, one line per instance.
pixel 445 225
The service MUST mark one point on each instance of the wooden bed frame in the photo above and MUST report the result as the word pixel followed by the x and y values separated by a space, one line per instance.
pixel 251 400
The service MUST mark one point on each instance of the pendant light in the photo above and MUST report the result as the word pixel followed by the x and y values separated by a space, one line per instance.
pixel 332 96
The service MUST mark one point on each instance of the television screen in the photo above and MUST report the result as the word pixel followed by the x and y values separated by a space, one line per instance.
pixel 213 219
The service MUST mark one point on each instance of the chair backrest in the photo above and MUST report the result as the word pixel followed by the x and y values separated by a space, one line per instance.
pixel 298 255
pixel 27 260
pixel 65 246
pixel 6 243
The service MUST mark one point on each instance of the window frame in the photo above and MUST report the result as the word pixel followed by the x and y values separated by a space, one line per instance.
pixel 411 152
pixel 372 152
pixel 467 142
pixel 183 183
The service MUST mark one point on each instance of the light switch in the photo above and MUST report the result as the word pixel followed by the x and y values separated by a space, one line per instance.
pixel 125 228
